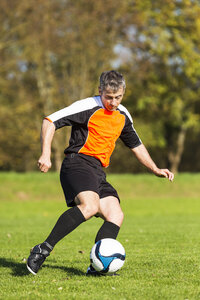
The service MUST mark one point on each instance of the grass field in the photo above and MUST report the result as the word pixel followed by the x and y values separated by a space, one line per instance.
pixel 161 235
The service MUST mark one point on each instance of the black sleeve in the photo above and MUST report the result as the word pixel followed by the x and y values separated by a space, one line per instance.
pixel 79 118
pixel 129 136
pixel 75 114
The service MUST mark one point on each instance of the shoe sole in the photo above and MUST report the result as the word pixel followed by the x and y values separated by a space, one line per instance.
pixel 101 274
pixel 94 275
pixel 31 271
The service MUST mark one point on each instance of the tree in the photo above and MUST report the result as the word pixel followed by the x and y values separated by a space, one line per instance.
pixel 165 72
pixel 58 48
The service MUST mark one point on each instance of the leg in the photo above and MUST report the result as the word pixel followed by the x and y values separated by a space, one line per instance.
pixel 76 176
pixel 87 206
pixel 88 202
pixel 111 212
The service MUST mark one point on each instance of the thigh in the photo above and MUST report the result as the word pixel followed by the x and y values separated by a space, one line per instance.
pixel 76 177
pixel 110 210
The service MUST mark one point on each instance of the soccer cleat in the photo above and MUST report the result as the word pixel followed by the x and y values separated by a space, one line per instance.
pixel 92 272
pixel 36 259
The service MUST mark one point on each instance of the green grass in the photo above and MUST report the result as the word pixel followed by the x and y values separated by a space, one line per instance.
pixel 161 235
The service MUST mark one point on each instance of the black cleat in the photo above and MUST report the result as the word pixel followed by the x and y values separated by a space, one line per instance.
pixel 92 272
pixel 36 259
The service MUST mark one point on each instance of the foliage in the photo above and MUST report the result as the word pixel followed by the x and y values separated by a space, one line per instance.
pixel 164 74
pixel 52 53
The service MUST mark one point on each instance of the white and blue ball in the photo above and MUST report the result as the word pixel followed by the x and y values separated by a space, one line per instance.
pixel 107 256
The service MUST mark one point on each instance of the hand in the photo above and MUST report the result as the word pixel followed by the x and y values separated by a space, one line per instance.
pixel 164 173
pixel 44 164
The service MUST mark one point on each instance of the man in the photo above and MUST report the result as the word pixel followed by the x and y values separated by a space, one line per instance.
pixel 97 123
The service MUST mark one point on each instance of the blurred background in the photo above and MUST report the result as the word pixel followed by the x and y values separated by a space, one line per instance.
pixel 52 53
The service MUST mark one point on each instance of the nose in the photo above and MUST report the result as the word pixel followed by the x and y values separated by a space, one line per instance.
pixel 114 102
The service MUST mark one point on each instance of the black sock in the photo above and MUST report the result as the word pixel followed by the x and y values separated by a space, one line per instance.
pixel 46 246
pixel 107 230
pixel 67 222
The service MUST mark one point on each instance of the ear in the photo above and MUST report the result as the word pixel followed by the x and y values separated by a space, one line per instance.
pixel 99 91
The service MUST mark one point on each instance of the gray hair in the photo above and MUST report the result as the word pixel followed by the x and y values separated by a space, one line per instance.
pixel 112 80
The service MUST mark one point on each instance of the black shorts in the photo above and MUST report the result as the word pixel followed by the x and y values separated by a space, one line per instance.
pixel 80 173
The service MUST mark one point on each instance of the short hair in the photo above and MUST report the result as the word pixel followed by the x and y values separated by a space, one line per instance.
pixel 112 80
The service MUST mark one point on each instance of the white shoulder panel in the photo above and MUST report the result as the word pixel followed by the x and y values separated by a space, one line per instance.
pixel 74 108
pixel 98 101
pixel 123 108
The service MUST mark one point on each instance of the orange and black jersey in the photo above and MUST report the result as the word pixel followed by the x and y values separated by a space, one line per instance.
pixel 95 129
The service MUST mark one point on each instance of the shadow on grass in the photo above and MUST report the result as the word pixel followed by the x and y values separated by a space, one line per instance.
pixel 20 270
pixel 68 270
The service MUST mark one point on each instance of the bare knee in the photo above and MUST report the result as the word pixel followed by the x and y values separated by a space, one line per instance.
pixel 121 217
pixel 88 203
pixel 88 210
pixel 110 210
pixel 116 217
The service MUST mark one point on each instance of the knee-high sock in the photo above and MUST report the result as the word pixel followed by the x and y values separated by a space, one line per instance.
pixel 107 230
pixel 66 223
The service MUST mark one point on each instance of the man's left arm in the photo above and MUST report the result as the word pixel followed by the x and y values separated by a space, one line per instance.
pixel 145 159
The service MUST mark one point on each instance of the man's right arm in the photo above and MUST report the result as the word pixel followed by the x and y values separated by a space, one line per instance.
pixel 47 133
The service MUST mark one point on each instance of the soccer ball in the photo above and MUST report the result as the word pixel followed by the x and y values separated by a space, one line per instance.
pixel 107 256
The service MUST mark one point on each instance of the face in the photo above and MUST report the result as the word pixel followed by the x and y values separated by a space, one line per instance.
pixel 110 99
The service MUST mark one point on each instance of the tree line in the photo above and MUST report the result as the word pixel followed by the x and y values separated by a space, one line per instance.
pixel 52 53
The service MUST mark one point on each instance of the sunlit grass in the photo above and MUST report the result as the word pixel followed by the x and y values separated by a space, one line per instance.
pixel 160 234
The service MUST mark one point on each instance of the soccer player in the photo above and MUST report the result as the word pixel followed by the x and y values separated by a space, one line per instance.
pixel 97 122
